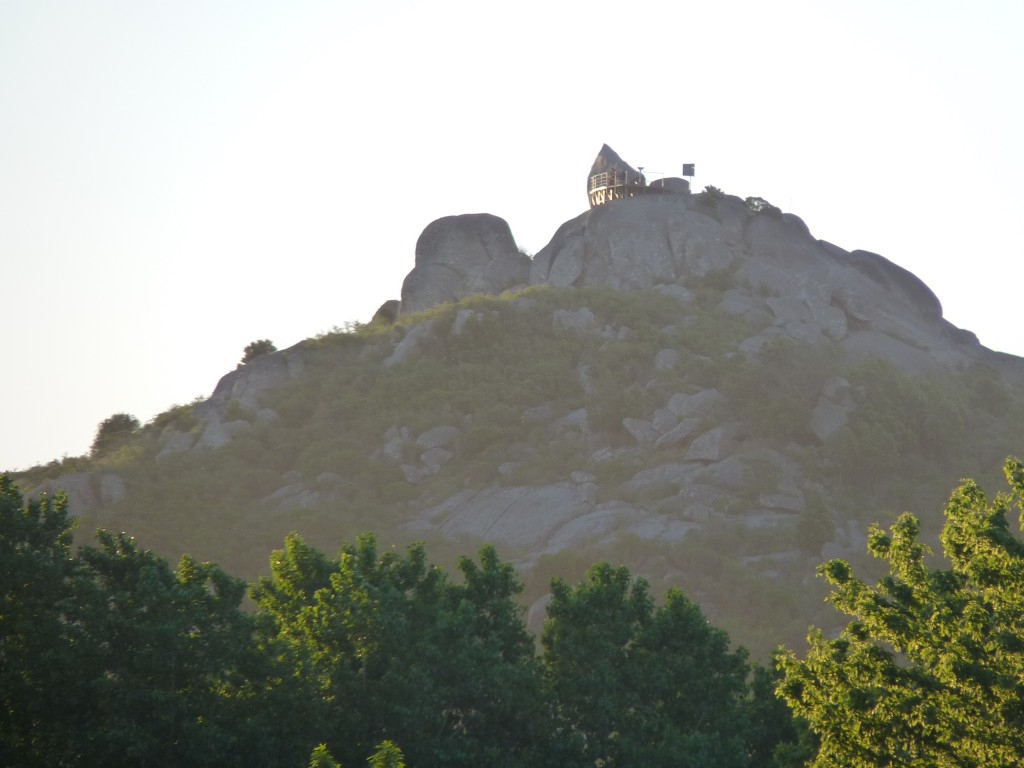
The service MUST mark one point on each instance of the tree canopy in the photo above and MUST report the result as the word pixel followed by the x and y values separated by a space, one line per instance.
pixel 113 432
pixel 392 646
pixel 111 656
pixel 637 684
pixel 36 573
pixel 929 671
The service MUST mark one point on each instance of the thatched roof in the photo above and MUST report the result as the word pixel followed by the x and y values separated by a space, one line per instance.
pixel 608 160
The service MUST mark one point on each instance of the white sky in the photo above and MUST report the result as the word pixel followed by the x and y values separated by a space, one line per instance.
pixel 179 179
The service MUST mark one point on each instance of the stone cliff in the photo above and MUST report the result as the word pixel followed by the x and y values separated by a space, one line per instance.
pixel 460 255
pixel 796 285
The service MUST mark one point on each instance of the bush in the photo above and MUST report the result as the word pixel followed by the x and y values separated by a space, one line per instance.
pixel 775 393
pixel 711 196
pixel 113 432
pixel 180 417
pixel 760 205
pixel 256 348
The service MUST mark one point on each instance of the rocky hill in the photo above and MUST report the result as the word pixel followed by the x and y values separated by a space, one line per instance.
pixel 689 384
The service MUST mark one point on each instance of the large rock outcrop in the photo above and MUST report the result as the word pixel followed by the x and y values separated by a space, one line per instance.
pixel 460 255
pixel 805 288
pixel 236 403
pixel 809 289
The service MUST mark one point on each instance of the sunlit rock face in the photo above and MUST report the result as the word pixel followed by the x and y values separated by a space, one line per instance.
pixel 460 255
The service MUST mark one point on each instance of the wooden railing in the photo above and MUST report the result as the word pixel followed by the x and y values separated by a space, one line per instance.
pixel 615 179
pixel 615 185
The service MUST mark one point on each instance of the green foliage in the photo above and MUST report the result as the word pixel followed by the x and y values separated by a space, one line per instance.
pixel 393 647
pixel 179 417
pixel 236 411
pixel 930 668
pixel 625 675
pixel 256 348
pixel 775 392
pixel 760 205
pixel 52 470
pixel 113 433
pixel 907 433
pixel 321 758
pixel 712 335
pixel 319 468
pixel 986 390
pixel 112 657
pixel 388 755
pixel 166 636
pixel 711 196
pixel 36 586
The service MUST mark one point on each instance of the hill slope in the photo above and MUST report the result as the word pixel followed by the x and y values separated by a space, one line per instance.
pixel 692 386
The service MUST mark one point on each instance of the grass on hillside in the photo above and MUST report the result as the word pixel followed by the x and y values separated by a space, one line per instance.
pixel 318 469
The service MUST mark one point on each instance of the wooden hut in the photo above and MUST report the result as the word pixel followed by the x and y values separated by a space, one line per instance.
pixel 612 178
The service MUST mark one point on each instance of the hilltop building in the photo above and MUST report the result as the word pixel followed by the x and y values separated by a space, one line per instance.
pixel 612 178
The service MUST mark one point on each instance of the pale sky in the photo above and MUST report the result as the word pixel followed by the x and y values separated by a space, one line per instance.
pixel 179 179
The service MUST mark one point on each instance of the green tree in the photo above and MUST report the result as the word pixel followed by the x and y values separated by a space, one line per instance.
pixel 173 675
pixel 391 646
pixel 711 196
pixel 256 348
pixel 388 755
pixel 113 432
pixel 111 657
pixel 586 637
pixel 321 758
pixel 930 669
pixel 37 585
pixel 632 684
pixel 775 739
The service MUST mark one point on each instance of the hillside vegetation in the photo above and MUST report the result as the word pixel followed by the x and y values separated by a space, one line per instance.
pixel 559 391
pixel 113 657
pixel 670 422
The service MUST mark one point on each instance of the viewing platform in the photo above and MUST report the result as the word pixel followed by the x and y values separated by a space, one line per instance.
pixel 616 184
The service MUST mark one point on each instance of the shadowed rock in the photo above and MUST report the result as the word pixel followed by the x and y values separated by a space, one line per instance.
pixel 387 313
pixel 806 289
pixel 457 256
